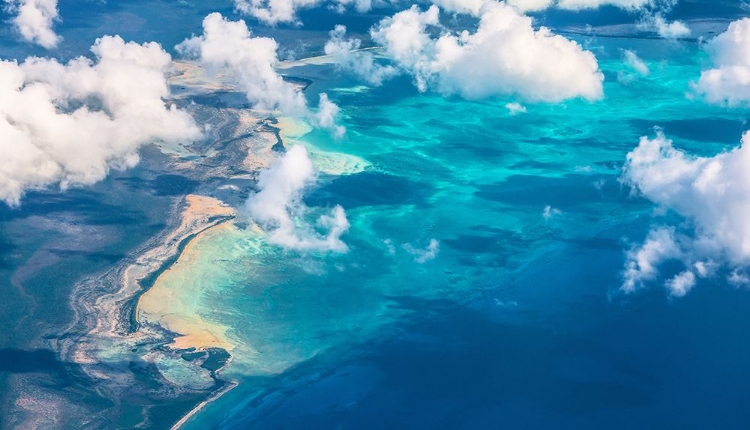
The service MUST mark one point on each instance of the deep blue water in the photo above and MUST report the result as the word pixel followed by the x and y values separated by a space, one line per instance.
pixel 588 361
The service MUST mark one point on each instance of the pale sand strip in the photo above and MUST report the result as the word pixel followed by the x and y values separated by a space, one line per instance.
pixel 201 212
pixel 163 304
pixel 201 405
pixel 157 304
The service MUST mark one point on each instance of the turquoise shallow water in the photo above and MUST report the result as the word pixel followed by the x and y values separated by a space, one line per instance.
pixel 478 180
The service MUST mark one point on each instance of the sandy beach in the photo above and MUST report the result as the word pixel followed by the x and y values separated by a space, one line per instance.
pixel 199 213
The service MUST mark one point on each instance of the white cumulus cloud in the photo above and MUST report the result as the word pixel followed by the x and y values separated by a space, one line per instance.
pixel 506 56
pixel 34 19
pixel 593 4
pixel 550 212
pixel 70 124
pixel 273 11
pixel 635 63
pixel 229 46
pixel 670 30
pixel 515 108
pixel 643 261
pixel 347 55
pixel 637 67
pixel 729 81
pixel 424 255
pixel 538 5
pixel 278 208
pixel 655 22
pixel 712 193
pixel 681 284
pixel 473 7
pixel 327 114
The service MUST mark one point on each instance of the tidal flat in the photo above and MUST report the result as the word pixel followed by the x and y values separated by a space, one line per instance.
pixel 127 232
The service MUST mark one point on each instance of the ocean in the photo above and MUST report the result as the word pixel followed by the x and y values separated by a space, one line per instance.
pixel 518 321
pixel 481 286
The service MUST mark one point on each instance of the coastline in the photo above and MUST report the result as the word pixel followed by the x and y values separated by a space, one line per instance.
pixel 109 324
pixel 156 305
pixel 215 396
pixel 111 318
pixel 200 213
pixel 116 323
pixel 285 130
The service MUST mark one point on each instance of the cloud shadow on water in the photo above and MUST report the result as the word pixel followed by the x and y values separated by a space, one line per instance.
pixel 369 189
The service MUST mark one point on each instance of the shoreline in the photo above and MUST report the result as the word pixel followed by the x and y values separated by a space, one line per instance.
pixel 108 309
pixel 111 317
pixel 147 284
pixel 231 385
pixel 156 305
pixel 228 385
pixel 197 215
pixel 201 215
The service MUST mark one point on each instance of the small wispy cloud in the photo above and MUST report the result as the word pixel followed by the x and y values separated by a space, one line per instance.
pixel 549 212
pixel 426 254
pixel 34 20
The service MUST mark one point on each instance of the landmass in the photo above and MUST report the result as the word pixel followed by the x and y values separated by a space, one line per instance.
pixel 160 365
